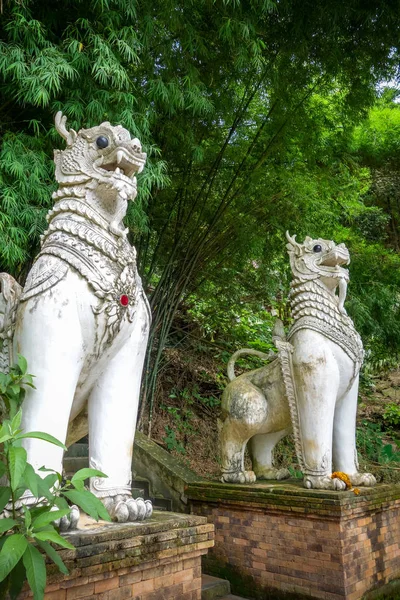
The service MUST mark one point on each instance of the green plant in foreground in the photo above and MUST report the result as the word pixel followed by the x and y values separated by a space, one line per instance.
pixel 27 532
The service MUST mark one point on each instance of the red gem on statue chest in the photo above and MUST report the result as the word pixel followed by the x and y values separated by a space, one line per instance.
pixel 124 300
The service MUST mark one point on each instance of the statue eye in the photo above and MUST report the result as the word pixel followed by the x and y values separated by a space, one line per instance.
pixel 102 141
pixel 317 248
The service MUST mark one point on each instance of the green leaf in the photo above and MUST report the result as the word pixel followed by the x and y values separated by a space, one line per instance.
pixel 5 497
pixel 83 474
pixel 3 469
pixel 40 435
pixel 4 381
pixel 16 422
pixel 61 503
pixel 47 518
pixel 50 480
pixel 35 571
pixel 51 553
pixel 6 524
pixel 5 433
pixel 51 535
pixel 44 490
pixel 28 516
pixel 89 503
pixel 12 550
pixel 17 580
pixel 22 364
pixel 31 479
pixel 17 464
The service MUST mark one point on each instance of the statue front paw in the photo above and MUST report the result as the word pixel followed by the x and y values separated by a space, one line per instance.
pixel 366 479
pixel 124 508
pixel 273 474
pixel 323 482
pixel 239 477
pixel 69 522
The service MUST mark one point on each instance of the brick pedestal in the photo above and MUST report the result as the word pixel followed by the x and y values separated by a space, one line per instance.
pixel 159 559
pixel 275 540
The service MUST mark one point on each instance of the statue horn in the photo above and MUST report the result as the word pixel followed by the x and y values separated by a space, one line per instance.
pixel 292 245
pixel 60 121
pixel 291 240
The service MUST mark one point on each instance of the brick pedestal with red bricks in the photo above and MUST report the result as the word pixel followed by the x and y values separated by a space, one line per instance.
pixel 159 559
pixel 282 538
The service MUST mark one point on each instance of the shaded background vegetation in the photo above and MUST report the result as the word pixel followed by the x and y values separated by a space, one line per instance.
pixel 258 117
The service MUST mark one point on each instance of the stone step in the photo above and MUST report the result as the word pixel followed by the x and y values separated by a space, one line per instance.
pixel 77 458
pixel 213 587
pixel 78 449
pixel 232 597
pixel 72 464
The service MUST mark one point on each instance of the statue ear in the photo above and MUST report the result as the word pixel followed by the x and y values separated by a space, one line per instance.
pixel 60 121
pixel 307 240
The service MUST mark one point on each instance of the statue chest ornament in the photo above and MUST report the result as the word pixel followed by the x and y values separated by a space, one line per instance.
pixel 77 237
pixel 315 307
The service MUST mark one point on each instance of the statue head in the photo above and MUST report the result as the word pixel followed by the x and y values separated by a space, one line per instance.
pixel 316 258
pixel 105 153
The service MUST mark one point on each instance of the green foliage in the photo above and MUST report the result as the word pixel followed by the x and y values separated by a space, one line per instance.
pixel 246 110
pixel 373 447
pixel 171 442
pixel 391 416
pixel 31 527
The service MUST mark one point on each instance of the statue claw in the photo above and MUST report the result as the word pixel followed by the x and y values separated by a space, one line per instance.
pixel 273 474
pixel 366 479
pixel 124 508
pixel 323 482
pixel 69 522
pixel 239 477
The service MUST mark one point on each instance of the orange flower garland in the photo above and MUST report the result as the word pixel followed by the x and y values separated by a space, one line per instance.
pixel 344 477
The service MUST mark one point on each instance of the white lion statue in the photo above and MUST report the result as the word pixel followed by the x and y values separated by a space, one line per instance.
pixel 310 388
pixel 82 319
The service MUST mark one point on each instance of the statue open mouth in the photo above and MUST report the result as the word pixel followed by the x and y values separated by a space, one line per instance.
pixel 338 256
pixel 123 162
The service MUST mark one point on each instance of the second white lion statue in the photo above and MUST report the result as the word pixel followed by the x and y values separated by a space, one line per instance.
pixel 310 388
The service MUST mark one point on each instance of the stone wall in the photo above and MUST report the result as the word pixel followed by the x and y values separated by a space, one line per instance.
pixel 155 560
pixel 302 543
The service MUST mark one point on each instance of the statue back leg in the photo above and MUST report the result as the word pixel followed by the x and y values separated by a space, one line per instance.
pixel 232 449
pixel 261 448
